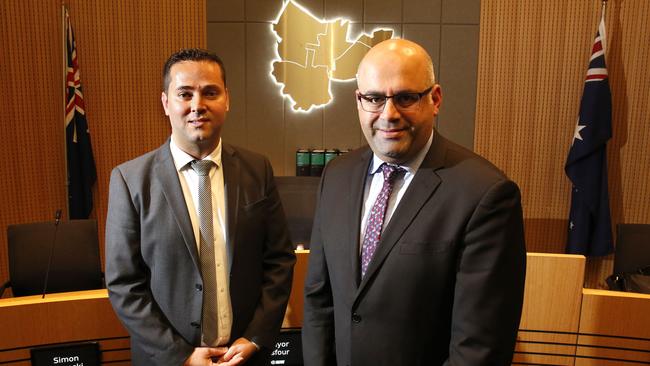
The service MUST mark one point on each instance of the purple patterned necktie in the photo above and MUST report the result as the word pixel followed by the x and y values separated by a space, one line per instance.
pixel 376 219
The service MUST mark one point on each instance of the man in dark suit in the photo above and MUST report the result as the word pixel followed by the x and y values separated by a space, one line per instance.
pixel 198 257
pixel 417 250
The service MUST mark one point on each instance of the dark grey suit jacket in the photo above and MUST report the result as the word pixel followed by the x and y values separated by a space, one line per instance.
pixel 446 283
pixel 152 266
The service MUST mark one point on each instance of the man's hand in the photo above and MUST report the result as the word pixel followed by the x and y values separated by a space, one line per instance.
pixel 203 356
pixel 238 353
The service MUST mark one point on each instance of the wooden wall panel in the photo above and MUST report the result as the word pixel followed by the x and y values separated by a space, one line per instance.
pixel 532 61
pixel 32 184
pixel 121 46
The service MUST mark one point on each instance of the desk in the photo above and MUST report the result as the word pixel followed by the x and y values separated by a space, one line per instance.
pixel 561 323
pixel 31 321
pixel 614 328
pixel 565 324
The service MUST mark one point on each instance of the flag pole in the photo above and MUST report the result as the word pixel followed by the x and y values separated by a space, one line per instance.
pixel 64 54
pixel 601 29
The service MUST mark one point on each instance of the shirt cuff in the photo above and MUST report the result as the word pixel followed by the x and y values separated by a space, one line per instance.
pixel 256 345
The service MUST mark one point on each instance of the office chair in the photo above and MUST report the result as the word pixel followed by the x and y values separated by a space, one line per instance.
pixel 298 196
pixel 632 247
pixel 75 264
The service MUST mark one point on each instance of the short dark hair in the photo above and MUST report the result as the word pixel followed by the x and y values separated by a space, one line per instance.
pixel 190 54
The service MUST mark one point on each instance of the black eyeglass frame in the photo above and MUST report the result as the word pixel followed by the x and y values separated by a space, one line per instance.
pixel 367 98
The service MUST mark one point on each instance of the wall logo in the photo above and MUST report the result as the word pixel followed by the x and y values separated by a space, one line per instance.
pixel 313 53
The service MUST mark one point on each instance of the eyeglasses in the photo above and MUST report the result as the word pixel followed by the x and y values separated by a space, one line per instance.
pixel 375 103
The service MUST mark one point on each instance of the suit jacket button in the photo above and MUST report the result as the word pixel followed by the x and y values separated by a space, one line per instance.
pixel 195 324
pixel 199 287
pixel 356 318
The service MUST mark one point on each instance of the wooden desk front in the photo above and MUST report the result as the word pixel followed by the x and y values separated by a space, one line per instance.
pixel 561 324
pixel 614 329
pixel 31 321
pixel 551 313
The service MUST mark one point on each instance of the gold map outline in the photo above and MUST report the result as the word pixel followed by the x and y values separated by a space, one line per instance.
pixel 316 53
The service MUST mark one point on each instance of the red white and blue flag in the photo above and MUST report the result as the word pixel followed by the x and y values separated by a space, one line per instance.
pixel 80 161
pixel 590 230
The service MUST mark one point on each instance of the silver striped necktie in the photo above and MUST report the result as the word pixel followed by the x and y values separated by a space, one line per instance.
pixel 206 251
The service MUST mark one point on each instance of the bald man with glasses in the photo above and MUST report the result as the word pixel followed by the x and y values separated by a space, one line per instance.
pixel 417 250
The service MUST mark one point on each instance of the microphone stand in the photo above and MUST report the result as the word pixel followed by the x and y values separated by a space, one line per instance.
pixel 57 218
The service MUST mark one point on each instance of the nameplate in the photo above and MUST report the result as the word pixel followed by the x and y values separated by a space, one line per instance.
pixel 288 349
pixel 78 354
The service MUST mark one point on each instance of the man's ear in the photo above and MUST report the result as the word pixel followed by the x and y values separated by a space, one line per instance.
pixel 227 100
pixel 436 97
pixel 165 103
pixel 356 98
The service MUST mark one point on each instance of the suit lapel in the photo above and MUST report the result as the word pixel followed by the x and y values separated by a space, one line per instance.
pixel 167 175
pixel 231 192
pixel 357 185
pixel 420 190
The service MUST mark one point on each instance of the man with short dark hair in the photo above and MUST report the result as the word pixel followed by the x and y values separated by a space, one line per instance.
pixel 417 250
pixel 198 257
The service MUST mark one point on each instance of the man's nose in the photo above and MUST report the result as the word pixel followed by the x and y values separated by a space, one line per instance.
pixel 197 105
pixel 390 112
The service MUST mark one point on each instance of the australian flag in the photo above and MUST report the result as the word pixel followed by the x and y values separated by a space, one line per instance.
pixel 590 231
pixel 81 164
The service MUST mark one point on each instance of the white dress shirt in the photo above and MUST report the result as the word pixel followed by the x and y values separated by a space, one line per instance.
pixel 190 185
pixel 374 183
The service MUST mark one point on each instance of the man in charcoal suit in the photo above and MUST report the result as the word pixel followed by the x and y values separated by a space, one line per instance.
pixel 417 250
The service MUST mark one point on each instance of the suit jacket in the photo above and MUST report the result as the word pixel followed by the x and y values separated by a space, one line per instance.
pixel 152 267
pixel 445 285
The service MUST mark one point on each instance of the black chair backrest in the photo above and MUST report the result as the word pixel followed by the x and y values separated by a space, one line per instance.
pixel 632 247
pixel 298 196
pixel 75 264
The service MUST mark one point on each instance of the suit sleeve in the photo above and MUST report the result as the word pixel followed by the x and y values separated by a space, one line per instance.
pixel 318 323
pixel 127 281
pixel 278 260
pixel 490 281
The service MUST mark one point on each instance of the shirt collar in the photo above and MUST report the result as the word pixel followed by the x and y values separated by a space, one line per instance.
pixel 182 159
pixel 410 166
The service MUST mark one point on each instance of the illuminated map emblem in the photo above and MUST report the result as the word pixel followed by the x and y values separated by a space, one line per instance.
pixel 313 53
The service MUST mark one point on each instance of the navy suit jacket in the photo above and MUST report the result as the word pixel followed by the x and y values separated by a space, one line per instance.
pixel 446 283
pixel 152 267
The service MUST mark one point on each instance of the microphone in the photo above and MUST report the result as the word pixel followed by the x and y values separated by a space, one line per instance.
pixel 57 219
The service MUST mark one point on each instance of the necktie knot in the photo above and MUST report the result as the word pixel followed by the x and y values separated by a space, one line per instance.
pixel 391 172
pixel 202 167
